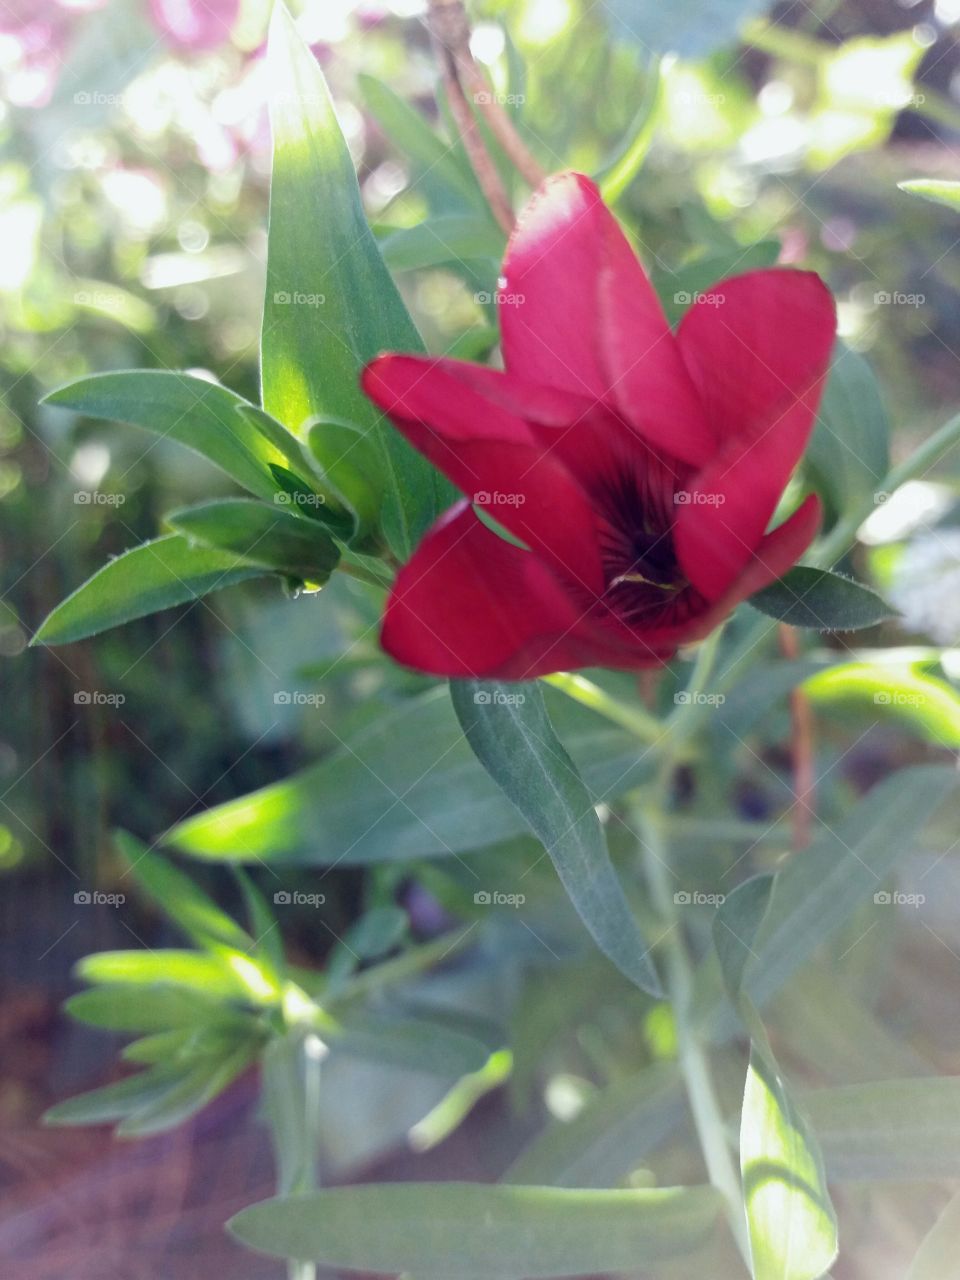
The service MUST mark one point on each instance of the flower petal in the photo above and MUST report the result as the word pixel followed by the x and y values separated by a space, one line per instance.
pixel 471 604
pixel 493 457
pixel 759 358
pixel 578 312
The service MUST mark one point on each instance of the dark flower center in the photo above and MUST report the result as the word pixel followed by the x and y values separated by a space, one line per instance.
pixel 645 585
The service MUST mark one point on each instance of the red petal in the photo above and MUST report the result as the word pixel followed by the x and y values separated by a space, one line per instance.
pixel 471 604
pixel 759 358
pixel 578 312
pixel 493 457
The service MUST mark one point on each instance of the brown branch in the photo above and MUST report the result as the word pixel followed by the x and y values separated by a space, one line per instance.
pixel 450 28
pixel 801 747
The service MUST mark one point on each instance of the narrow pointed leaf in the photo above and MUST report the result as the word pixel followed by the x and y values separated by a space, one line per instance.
pixel 791 1221
pixel 176 894
pixel 178 406
pixel 269 536
pixel 512 737
pixel 460 1231
pixel 808 597
pixel 330 305
pixel 153 576
pixel 938 190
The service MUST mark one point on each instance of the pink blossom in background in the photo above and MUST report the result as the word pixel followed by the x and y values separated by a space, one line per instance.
pixel 196 24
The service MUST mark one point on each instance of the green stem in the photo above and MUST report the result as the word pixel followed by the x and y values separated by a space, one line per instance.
pixel 362 575
pixel 638 721
pixel 617 176
pixel 694 1063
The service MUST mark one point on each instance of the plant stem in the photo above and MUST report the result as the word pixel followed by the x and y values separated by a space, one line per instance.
pixel 694 1064
pixel 450 29
pixel 638 721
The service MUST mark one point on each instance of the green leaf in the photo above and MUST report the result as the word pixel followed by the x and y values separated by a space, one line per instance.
pixel 793 1227
pixel 511 734
pixel 286 1063
pixel 211 975
pixel 937 190
pixel 264 926
pixel 938 1253
pixel 416 1043
pixel 271 537
pixel 331 305
pixel 144 1009
pixel 187 1095
pixel 451 237
pixel 154 576
pixel 609 1137
pixel 283 442
pixel 346 808
pixel 446 181
pixel 114 1101
pixel 350 464
pixel 889 1130
pixel 808 597
pixel 178 897
pixel 461 1231
pixel 849 451
pixel 792 1224
pixel 178 406
pixel 923 702
pixel 678 289
pixel 817 891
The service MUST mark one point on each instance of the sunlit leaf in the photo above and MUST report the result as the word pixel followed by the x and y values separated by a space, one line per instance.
pixel 153 576
pixel 177 895
pixel 178 406
pixel 330 304
pixel 935 189
pixel 926 704
pixel 792 1225
pixel 459 1231
pixel 344 809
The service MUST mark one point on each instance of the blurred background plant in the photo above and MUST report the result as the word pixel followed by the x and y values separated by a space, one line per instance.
pixel 133 206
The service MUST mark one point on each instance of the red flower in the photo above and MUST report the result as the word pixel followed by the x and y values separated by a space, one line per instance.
pixel 639 468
